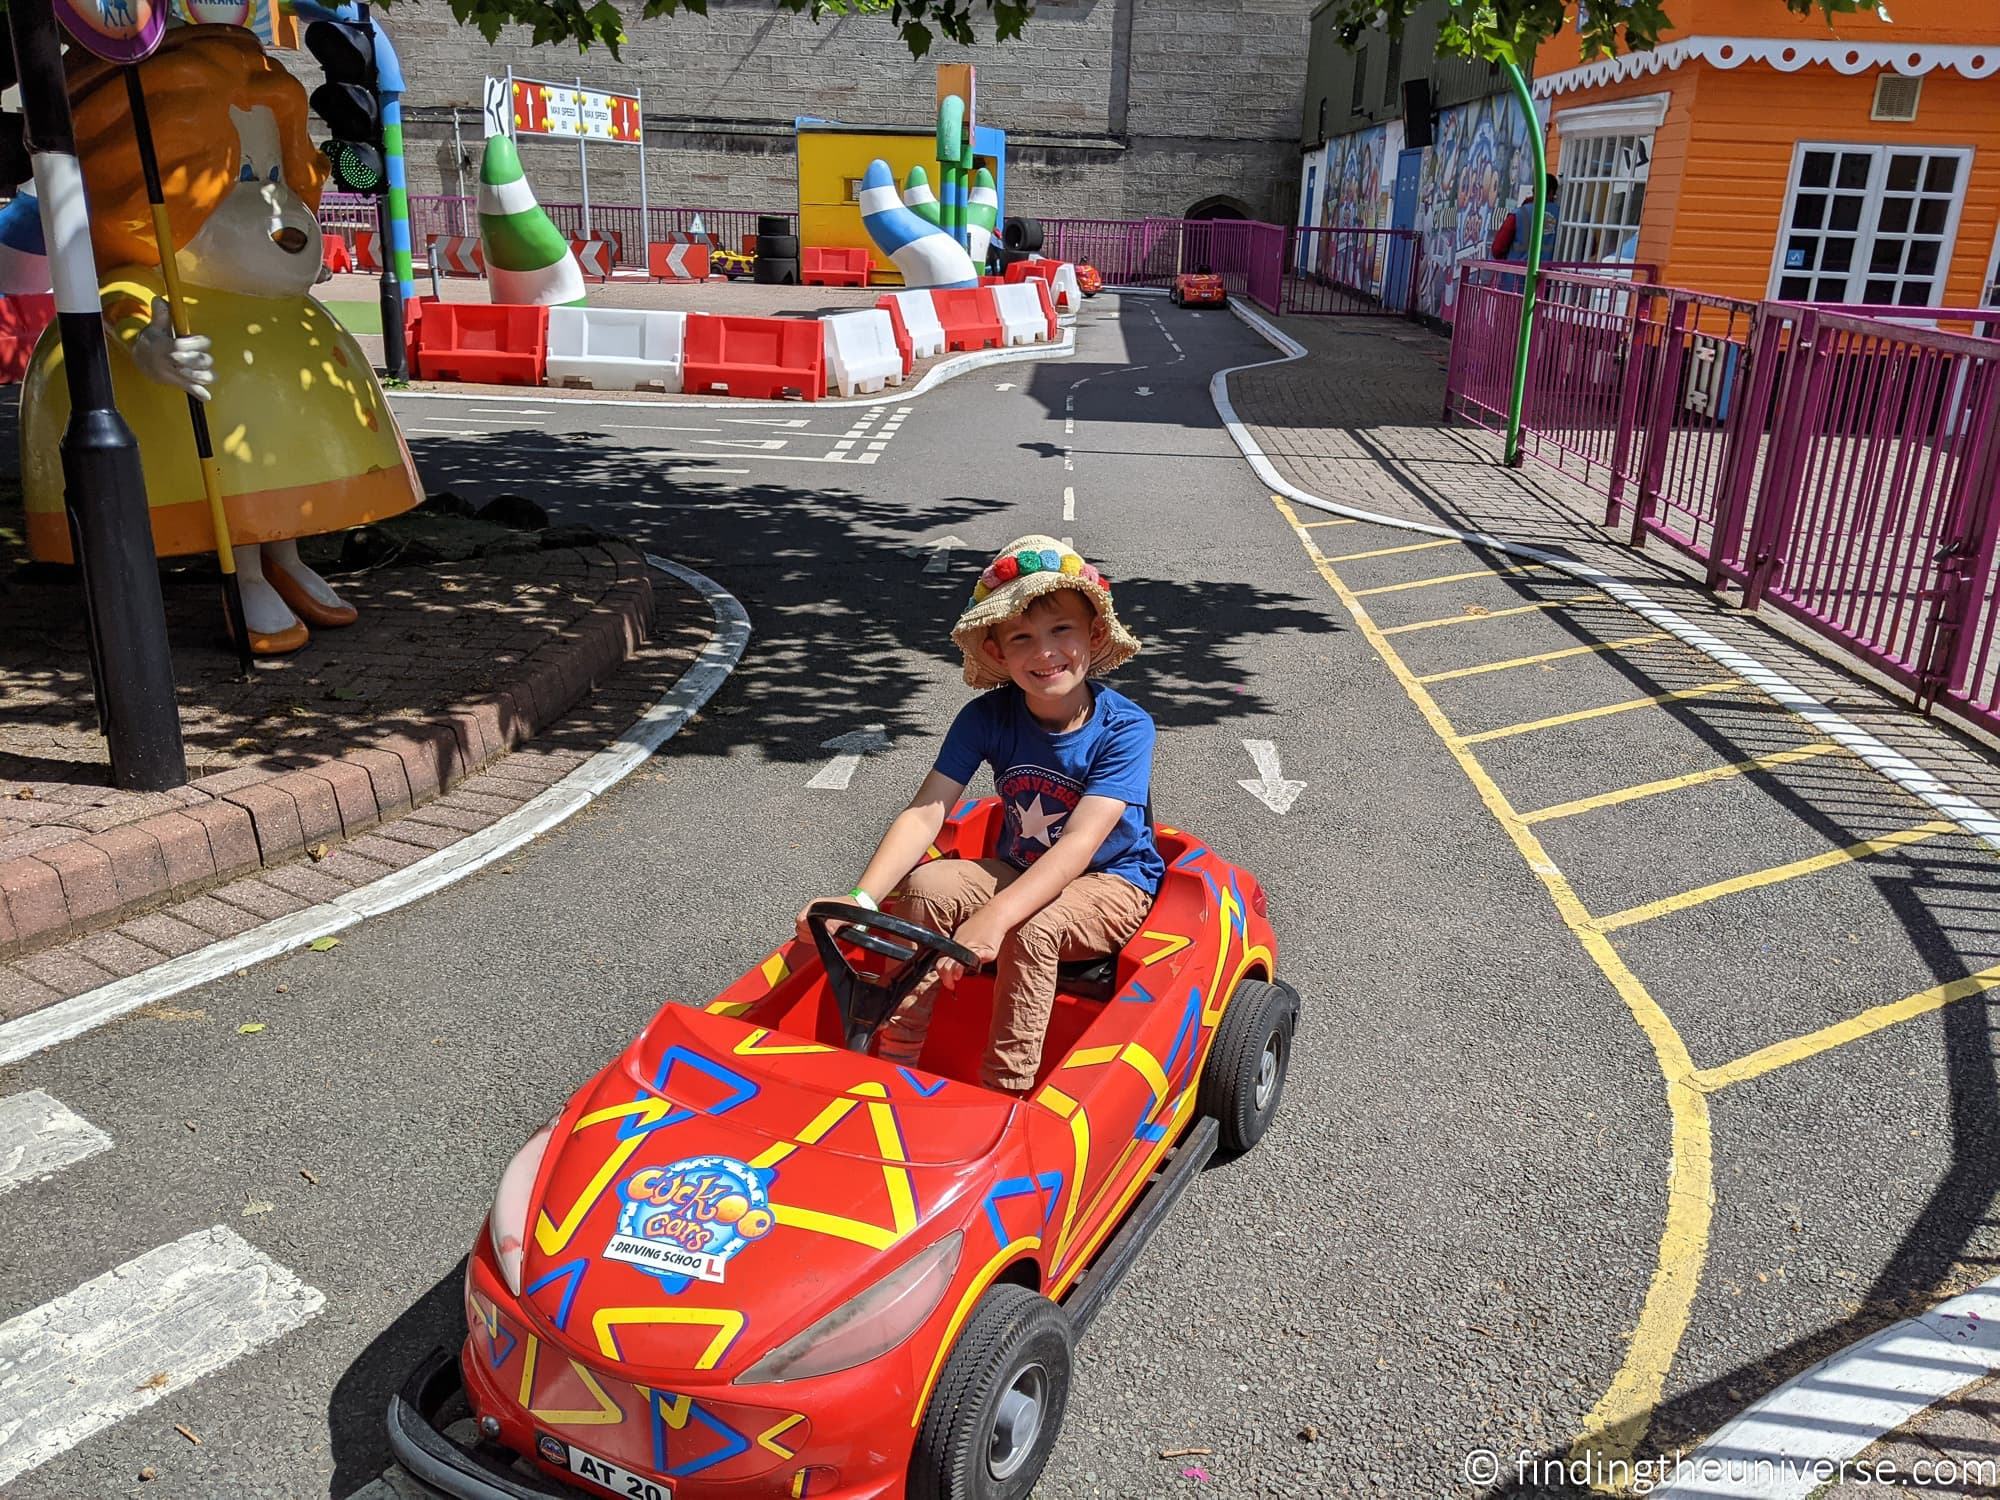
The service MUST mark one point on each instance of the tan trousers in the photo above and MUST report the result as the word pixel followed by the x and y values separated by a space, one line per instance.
pixel 1096 914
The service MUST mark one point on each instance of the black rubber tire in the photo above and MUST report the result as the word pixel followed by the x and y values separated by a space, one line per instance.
pixel 777 247
pixel 1022 234
pixel 1008 257
pixel 776 271
pixel 774 223
pixel 1010 1329
pixel 1257 1013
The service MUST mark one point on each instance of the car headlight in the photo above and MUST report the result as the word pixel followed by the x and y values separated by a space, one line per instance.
pixel 507 1223
pixel 867 1325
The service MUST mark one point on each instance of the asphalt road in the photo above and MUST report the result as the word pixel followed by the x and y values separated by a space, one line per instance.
pixel 1447 1242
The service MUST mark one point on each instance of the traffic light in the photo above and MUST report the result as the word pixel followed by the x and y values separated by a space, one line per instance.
pixel 348 103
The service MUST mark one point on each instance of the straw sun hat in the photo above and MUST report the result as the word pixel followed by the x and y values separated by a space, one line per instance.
pixel 1023 571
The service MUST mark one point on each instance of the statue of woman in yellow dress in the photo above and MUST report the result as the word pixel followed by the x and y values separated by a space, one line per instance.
pixel 303 436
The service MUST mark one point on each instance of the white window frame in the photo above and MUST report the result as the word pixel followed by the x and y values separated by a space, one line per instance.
pixel 1871 211
pixel 1990 289
pixel 1638 117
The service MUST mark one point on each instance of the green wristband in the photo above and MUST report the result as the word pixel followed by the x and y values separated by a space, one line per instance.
pixel 861 898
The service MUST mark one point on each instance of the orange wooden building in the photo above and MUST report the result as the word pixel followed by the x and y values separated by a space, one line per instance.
pixel 1756 154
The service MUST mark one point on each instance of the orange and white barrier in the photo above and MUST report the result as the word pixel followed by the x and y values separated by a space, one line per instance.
pixel 595 256
pixel 456 254
pixel 366 254
pixel 677 260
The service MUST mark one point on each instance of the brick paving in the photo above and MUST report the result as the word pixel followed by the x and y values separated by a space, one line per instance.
pixel 1359 422
pixel 322 771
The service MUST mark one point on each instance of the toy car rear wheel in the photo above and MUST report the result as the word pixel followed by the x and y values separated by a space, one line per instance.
pixel 998 1406
pixel 1244 1077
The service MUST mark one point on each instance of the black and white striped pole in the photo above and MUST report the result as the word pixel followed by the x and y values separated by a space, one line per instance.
pixel 104 490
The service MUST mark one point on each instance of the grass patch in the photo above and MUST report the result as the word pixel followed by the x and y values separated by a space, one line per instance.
pixel 357 317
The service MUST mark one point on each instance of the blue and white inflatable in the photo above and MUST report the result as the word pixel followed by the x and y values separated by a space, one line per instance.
pixel 924 253
pixel 24 259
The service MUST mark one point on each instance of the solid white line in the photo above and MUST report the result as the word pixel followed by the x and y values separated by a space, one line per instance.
pixel 1844 1404
pixel 650 427
pixel 1069 503
pixel 121 1341
pixel 503 411
pixel 72 1017
pixel 937 375
pixel 1891 764
pixel 39 1136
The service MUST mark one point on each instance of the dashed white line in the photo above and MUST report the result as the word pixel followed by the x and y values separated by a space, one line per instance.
pixel 1069 503
pixel 121 1341
pixel 39 1136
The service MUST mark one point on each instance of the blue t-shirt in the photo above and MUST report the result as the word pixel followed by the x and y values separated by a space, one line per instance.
pixel 1042 776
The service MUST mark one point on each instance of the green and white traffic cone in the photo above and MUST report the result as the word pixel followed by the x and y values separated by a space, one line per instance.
pixel 528 262
pixel 982 214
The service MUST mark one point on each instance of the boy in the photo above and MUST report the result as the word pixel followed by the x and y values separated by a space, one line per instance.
pixel 1072 760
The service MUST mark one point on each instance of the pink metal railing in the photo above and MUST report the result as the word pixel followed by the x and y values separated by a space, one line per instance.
pixel 1351 272
pixel 432 214
pixel 1840 466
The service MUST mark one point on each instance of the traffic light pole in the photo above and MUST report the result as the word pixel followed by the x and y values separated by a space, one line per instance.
pixel 104 489
pixel 395 357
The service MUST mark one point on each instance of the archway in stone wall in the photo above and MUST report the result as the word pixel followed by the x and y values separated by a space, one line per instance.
pixel 1218 206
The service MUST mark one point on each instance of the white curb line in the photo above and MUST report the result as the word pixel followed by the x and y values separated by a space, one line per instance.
pixel 1794 1440
pixel 935 376
pixel 604 770
pixel 1891 764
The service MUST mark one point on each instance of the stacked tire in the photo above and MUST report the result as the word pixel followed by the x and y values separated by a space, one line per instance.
pixel 1022 234
pixel 777 251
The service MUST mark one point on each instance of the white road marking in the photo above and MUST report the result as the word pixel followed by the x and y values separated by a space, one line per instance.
pixel 1069 503
pixel 767 445
pixel 536 412
pixel 770 421
pixel 940 550
pixel 1069 426
pixel 1144 390
pixel 835 775
pixel 769 458
pixel 1776 1449
pixel 652 427
pixel 121 1341
pixel 1270 788
pixel 39 1136
pixel 1005 385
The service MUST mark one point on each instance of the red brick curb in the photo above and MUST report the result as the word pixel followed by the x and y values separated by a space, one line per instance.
pixel 238 821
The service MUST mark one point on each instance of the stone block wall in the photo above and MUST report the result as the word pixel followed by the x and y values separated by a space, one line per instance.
pixel 1112 107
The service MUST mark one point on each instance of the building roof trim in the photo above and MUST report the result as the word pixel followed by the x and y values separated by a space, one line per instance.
pixel 1787 55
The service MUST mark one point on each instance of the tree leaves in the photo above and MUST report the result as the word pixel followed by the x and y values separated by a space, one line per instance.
pixel 601 24
pixel 1511 30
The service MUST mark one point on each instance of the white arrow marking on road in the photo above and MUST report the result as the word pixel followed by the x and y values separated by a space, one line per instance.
pixel 1069 503
pixel 769 421
pixel 1005 385
pixel 1270 787
pixel 941 553
pixel 1144 390
pixel 838 772
pixel 766 445
pixel 39 1137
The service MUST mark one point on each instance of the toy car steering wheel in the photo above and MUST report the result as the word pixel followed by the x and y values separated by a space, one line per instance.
pixel 866 1000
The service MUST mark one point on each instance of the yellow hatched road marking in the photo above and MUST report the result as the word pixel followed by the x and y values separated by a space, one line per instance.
pixel 1392 551
pixel 1489 614
pixel 1617 1424
pixel 1675 783
pixel 1902 838
pixel 1424 583
pixel 1343 521
pixel 1542 656
pixel 1727 685
pixel 1875 1018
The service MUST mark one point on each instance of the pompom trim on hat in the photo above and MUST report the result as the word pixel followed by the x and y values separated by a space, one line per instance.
pixel 1025 570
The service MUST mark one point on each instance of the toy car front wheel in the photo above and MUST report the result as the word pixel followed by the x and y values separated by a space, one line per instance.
pixel 1244 1077
pixel 999 1401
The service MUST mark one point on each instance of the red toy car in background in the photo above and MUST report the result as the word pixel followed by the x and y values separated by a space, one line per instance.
pixel 1199 289
pixel 748 1260
pixel 1088 279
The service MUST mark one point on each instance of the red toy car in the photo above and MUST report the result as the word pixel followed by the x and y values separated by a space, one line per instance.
pixel 1089 280
pixel 749 1260
pixel 1199 289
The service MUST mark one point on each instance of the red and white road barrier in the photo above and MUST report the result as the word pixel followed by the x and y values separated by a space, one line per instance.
pixel 457 254
pixel 366 257
pixel 595 256
pixel 677 261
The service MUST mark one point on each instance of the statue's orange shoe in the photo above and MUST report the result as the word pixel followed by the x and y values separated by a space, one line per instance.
pixel 278 642
pixel 302 603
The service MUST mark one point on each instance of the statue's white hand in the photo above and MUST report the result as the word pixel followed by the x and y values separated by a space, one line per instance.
pixel 181 362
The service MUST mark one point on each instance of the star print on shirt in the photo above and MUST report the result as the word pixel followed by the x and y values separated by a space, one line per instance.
pixel 1038 821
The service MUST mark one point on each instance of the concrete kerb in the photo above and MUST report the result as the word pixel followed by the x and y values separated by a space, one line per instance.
pixel 1890 763
pixel 1856 1397
pixel 937 375
pixel 711 668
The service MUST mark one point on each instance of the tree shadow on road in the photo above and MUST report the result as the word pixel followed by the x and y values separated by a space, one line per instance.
pixel 847 621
